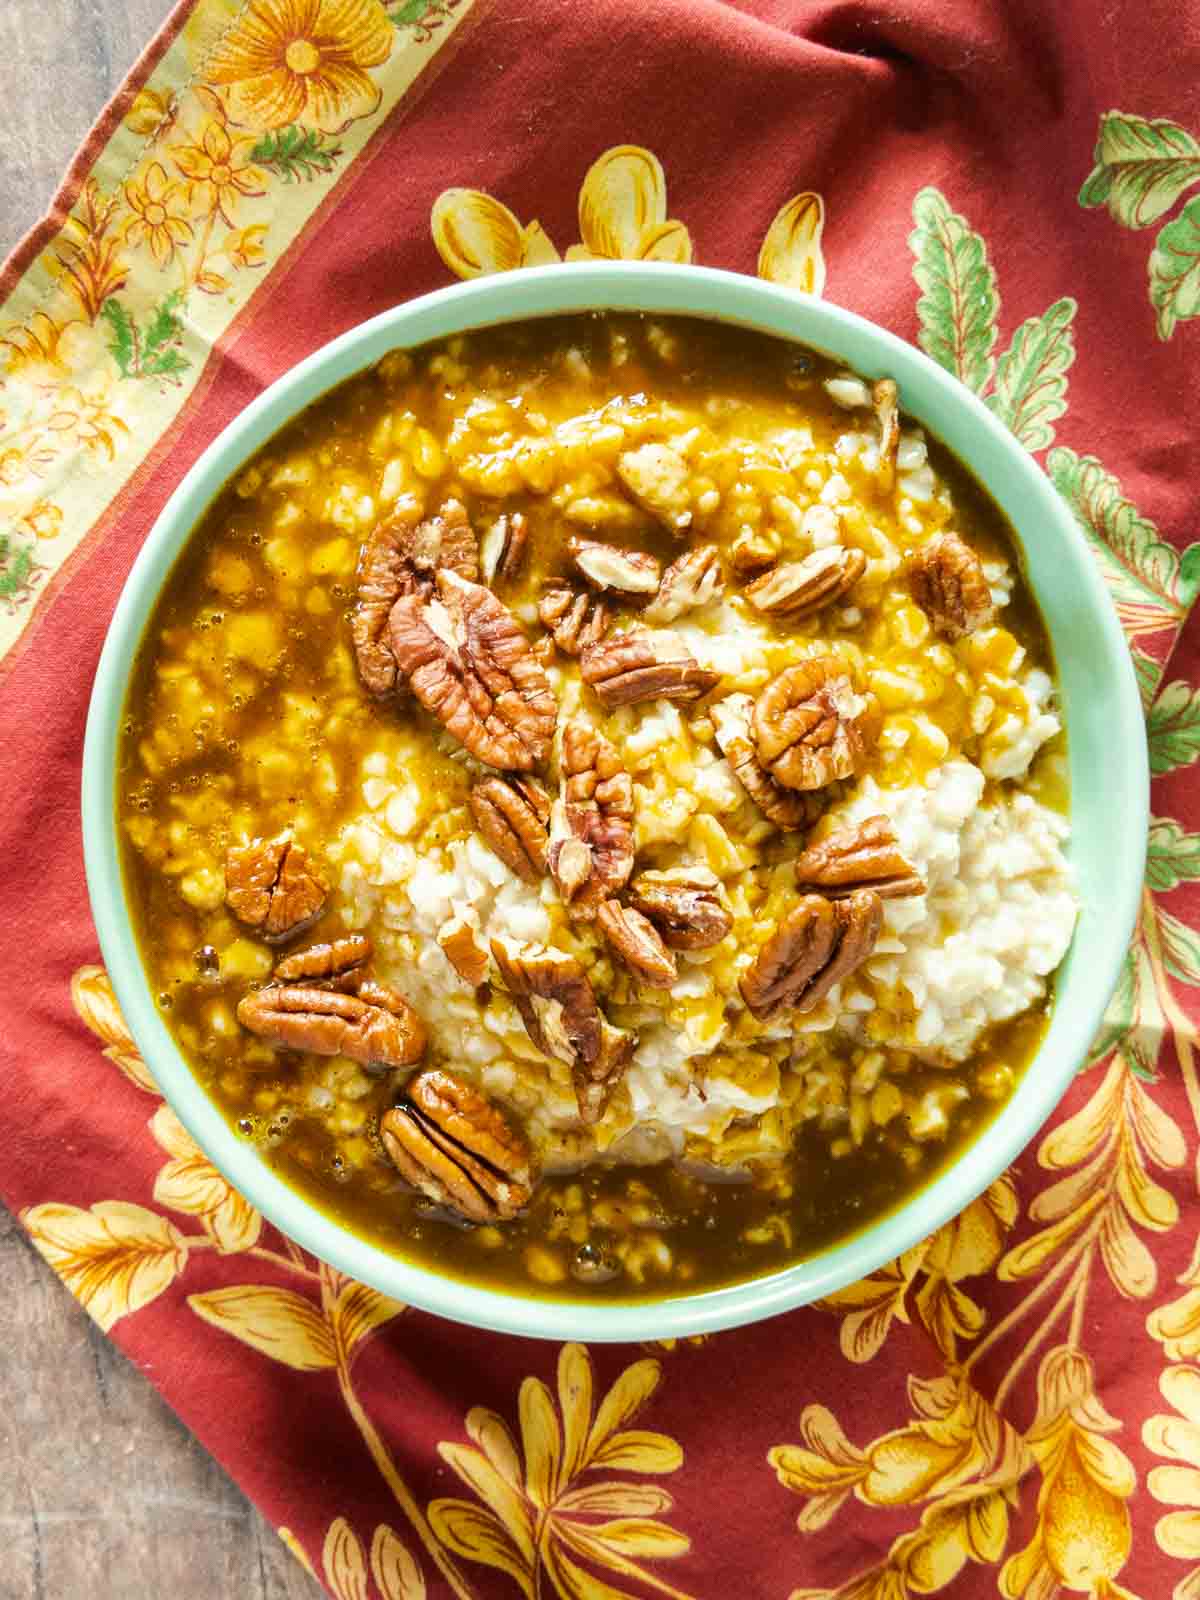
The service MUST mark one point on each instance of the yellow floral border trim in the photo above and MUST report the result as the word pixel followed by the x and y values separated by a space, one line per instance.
pixel 241 130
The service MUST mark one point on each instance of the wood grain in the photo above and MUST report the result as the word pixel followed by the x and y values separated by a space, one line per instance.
pixel 104 1495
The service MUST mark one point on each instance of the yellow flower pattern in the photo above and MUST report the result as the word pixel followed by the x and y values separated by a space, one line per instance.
pixel 115 1258
pixel 218 171
pixel 622 217
pixel 303 61
pixel 537 1520
pixel 158 217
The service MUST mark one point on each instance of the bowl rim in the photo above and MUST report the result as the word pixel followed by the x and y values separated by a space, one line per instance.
pixel 952 413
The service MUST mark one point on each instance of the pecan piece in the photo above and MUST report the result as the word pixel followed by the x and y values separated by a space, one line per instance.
pixel 374 1025
pixel 273 887
pixel 641 665
pixel 555 1001
pixel 752 553
pixel 638 943
pixel 817 944
pixel 808 724
pixel 573 620
pixel 401 557
pixel 452 1143
pixel 866 856
pixel 684 904
pixel 336 962
pixel 513 814
pixel 468 662
pixel 690 581
pixel 463 952
pixel 797 589
pixel 591 825
pixel 885 399
pixel 786 808
pixel 607 566
pixel 949 585
pixel 502 548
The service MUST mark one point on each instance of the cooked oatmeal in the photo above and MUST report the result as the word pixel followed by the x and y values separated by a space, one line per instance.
pixel 595 805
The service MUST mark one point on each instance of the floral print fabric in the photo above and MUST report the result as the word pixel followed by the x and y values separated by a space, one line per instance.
pixel 1013 1406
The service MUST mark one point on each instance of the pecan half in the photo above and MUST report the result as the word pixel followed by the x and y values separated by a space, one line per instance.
pixel 690 581
pixel 786 808
pixel 949 585
pixel 573 620
pixel 384 575
pixel 468 662
pixel 555 1001
pixel 607 566
pixel 866 856
pixel 641 665
pixel 591 825
pixel 453 1144
pixel 656 475
pixel 797 589
pixel 272 886
pixel 374 1025
pixel 463 952
pixel 638 943
pixel 684 904
pixel 335 962
pixel 502 548
pixel 885 398
pixel 808 724
pixel 401 557
pixel 817 944
pixel 513 814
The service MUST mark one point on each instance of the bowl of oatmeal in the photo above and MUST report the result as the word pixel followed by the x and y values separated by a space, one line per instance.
pixel 614 800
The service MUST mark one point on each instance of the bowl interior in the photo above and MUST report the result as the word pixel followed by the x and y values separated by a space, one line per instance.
pixel 1106 750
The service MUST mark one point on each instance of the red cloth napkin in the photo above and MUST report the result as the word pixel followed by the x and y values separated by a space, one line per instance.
pixel 1014 1406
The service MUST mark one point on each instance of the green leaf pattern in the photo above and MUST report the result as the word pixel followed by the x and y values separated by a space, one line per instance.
pixel 296 154
pixel 959 303
pixel 1031 379
pixel 1173 728
pixel 1134 1017
pixel 1172 856
pixel 958 311
pixel 153 351
pixel 18 570
pixel 1180 948
pixel 1152 586
pixel 1175 270
pixel 1142 167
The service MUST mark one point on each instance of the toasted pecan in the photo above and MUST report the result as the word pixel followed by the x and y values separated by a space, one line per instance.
pixel 644 665
pixel 456 1146
pixel 863 856
pixel 949 585
pixel 817 944
pixel 808 724
pixel 468 662
pixel 273 886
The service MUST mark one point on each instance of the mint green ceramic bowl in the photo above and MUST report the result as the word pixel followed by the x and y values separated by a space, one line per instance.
pixel 1109 779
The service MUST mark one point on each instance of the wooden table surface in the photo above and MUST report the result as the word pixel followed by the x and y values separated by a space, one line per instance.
pixel 104 1495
